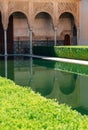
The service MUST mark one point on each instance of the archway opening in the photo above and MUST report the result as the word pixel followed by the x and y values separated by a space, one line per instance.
pixel 74 35
pixel 67 31
pixel 43 29
pixel 17 42
pixel 10 36
pixel 1 37
pixel 18 33
pixel 67 40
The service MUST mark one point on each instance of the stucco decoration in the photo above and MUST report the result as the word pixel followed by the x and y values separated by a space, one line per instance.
pixel 70 7
pixel 20 6
pixel 43 7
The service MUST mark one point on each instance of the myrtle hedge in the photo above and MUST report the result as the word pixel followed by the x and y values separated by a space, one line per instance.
pixel 22 109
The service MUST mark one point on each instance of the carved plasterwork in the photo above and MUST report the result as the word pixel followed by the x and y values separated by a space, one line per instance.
pixel 21 6
pixel 71 7
pixel 43 7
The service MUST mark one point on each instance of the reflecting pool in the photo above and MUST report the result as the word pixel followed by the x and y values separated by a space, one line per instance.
pixel 43 77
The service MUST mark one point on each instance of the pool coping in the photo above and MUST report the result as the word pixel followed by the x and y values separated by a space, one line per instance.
pixel 81 62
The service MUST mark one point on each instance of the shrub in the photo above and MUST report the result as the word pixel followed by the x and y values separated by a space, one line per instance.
pixel 72 52
pixel 22 109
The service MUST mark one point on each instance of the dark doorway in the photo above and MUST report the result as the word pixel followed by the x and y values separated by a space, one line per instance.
pixel 10 36
pixel 67 40
pixel 74 35
pixel 1 36
pixel 10 63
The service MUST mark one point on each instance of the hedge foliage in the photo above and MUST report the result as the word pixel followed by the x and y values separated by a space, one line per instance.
pixel 22 109
pixel 72 52
pixel 63 66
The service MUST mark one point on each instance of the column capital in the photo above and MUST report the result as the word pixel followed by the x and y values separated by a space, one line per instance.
pixel 31 28
pixel 55 28
pixel 5 26
pixel 55 35
pixel 5 22
pixel 5 29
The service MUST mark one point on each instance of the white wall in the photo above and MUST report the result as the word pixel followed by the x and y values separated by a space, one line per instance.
pixel 84 22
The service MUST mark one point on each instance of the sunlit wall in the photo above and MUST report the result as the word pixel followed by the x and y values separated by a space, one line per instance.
pixel 84 22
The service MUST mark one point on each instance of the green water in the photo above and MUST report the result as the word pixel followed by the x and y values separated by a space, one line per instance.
pixel 43 77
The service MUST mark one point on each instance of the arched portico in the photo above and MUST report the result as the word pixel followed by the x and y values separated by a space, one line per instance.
pixel 18 33
pixel 66 30
pixel 43 29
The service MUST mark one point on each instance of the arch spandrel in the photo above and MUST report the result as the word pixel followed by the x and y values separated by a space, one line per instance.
pixel 76 19
pixel 5 22
pixel 9 7
pixel 43 7
pixel 18 6
pixel 71 7
pixel 3 11
pixel 43 11
pixel 68 12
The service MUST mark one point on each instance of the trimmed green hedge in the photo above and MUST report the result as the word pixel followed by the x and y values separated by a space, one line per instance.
pixel 72 52
pixel 22 109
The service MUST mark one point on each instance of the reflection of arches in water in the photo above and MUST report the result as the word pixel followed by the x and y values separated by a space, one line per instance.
pixel 42 81
pixel 68 89
pixel 64 95
pixel 65 84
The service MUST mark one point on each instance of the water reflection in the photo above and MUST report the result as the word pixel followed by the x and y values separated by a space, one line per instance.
pixel 66 87
pixel 56 84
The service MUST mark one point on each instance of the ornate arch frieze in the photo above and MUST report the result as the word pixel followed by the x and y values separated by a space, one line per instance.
pixel 21 6
pixel 43 7
pixel 71 7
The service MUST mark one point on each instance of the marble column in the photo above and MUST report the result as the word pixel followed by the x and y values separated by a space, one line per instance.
pixel 5 51
pixel 30 33
pixel 55 36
